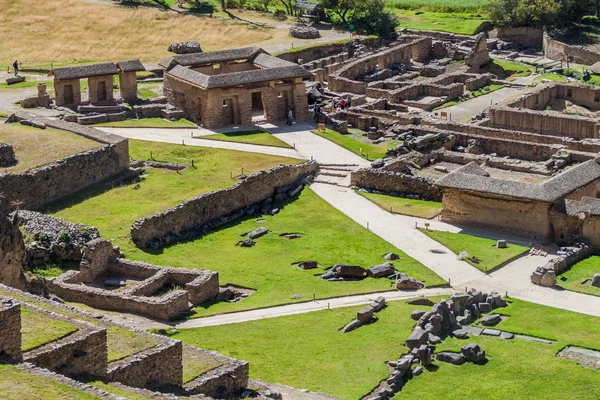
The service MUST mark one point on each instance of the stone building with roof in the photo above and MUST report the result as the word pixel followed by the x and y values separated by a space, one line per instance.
pixel 231 86
pixel 555 210
pixel 67 82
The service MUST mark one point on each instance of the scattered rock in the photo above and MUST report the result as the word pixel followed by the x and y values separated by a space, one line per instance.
pixel 381 271
pixel 491 320
pixel 420 301
pixel 191 46
pixel 452 358
pixel 247 243
pixel 391 256
pixel 15 79
pixel 258 232
pixel 460 334
pixel 501 244
pixel 507 335
pixel 406 283
pixel 473 353
pixel 308 265
pixel 305 32
pixel 491 332
pixel 417 314
pixel 417 371
pixel 596 280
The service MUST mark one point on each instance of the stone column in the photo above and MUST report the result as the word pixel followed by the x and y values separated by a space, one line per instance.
pixel 300 100
pixel 128 85
pixel 212 110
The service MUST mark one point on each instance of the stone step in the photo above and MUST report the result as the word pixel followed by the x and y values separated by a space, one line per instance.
pixel 349 169
pixel 328 178
pixel 339 165
pixel 328 173
pixel 328 183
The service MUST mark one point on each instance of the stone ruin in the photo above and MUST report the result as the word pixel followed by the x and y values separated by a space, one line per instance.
pixel 7 155
pixel 305 32
pixel 446 318
pixel 42 99
pixel 107 281
pixel 188 47
pixel 365 315
pixel 12 251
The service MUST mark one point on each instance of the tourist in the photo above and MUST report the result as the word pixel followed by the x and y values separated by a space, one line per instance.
pixel 16 67
pixel 290 116
pixel 317 111
pixel 349 102
pixel 342 104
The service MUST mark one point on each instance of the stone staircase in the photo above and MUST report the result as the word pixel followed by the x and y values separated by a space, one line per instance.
pixel 335 174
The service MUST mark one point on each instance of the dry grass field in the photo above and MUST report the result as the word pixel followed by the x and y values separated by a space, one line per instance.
pixel 70 31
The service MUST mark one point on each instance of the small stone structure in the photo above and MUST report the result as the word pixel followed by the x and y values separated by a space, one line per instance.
pixel 254 194
pixel 12 250
pixel 10 326
pixel 396 183
pixel 305 32
pixel 188 47
pixel 225 87
pixel 145 289
pixel 7 155
pixel 365 315
pixel 544 276
pixel 128 78
pixel 41 100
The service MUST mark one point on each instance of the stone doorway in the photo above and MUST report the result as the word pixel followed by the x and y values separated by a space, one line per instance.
pixel 228 112
pixel 283 104
pixel 101 91
pixel 68 94
pixel 258 108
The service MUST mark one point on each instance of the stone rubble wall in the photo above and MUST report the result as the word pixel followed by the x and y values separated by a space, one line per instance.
pixel 12 251
pixel 7 155
pixel 312 53
pixel 156 367
pixel 523 35
pixel 10 326
pixel 397 183
pixel 555 50
pixel 43 185
pixel 214 206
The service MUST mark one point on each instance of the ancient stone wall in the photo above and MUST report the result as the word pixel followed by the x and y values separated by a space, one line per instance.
pixel 43 185
pixel 128 86
pixel 10 326
pixel 12 251
pixel 506 215
pixel 555 50
pixel 155 367
pixel 193 214
pixel 100 89
pixel 67 86
pixel 7 155
pixel 523 35
pixel 479 55
pixel 396 183
pixel 324 50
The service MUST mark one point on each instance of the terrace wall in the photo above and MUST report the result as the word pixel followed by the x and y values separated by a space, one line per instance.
pixel 312 53
pixel 393 182
pixel 523 35
pixel 555 50
pixel 209 210
pixel 43 185
pixel 10 326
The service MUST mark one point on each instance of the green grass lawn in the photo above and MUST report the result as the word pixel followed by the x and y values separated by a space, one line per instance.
pixel 585 269
pixel 36 147
pixel 404 206
pixel 118 391
pixel 146 93
pixel 513 69
pixel 39 329
pixel 249 137
pixel 482 248
pixel 369 151
pixel 149 123
pixel 461 23
pixel 307 351
pixel 447 6
pixel 471 95
pixel 330 237
pixel 196 364
pixel 16 384
pixel 22 85
pixel 123 343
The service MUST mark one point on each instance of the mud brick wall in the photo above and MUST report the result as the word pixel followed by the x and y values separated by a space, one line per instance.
pixel 554 50
pixel 523 35
pixel 43 185
pixel 10 328
pixel 152 368
pixel 214 206
pixel 82 352
pixel 497 213
pixel 397 183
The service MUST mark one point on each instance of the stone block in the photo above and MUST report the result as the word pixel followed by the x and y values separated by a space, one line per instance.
pixel 258 232
pixel 452 358
pixel 417 314
pixel 596 280
pixel 491 320
pixel 473 353
pixel 365 314
pixel 381 271
pixel 15 79
pixel 484 307
pixel 417 338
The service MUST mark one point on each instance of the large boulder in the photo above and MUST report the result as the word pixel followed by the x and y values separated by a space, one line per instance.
pixel 381 271
pixel 452 358
pixel 348 271
pixel 258 232
pixel 417 338
pixel 305 32
pixel 491 320
pixel 407 283
pixel 15 79
pixel 473 353
pixel 191 46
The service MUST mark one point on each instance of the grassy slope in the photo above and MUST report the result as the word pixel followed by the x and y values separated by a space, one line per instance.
pixel 259 138
pixel 69 37
pixel 36 147
pixel 125 394
pixel 149 123
pixel 16 384
pixel 307 351
pixel 195 364
pixel 482 248
pixel 330 236
pixel 465 24
pixel 38 329
pixel 399 205
pixel 373 151
pixel 573 279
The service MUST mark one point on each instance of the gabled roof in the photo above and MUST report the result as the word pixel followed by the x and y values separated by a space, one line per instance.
pixel 84 71
pixel 308 6
pixel 589 205
pixel 130 66
pixel 196 59
pixel 549 191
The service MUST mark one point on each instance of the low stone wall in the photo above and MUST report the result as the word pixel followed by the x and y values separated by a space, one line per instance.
pixel 7 155
pixel 396 183
pixel 555 50
pixel 453 37
pixel 523 35
pixel 156 367
pixel 43 185
pixel 213 209
pixel 10 326
pixel 312 53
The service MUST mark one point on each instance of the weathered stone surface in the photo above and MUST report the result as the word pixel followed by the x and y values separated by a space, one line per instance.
pixel 15 79
pixel 473 353
pixel 491 332
pixel 501 244
pixel 484 307
pixel 365 314
pixel 12 251
pixel 391 256
pixel 507 335
pixel 381 271
pixel 305 32
pixel 417 371
pixel 406 283
pixel 348 271
pixel 188 47
pixel 596 280
pixel 417 314
pixel 460 334
pixel 452 358
pixel 379 304
pixel 491 320
pixel 308 265
pixel 258 232
pixel 417 338
pixel 352 325
pixel 7 155
pixel 421 301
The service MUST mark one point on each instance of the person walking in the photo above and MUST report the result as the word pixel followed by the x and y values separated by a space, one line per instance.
pixel 16 67
pixel 290 116
pixel 317 111
pixel 342 104
pixel 349 102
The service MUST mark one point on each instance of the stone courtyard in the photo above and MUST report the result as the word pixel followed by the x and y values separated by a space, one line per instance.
pixel 145 265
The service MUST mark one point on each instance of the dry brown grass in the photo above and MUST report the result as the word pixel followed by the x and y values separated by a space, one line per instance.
pixel 35 147
pixel 65 31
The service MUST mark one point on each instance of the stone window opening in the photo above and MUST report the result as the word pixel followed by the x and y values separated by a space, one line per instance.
pixel 569 93
pixel 101 88
pixel 68 94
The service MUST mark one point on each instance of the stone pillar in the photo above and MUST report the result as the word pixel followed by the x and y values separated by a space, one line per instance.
pixel 269 97
pixel 128 86
pixel 93 82
pixel 59 92
pixel 212 110
pixel 10 326
pixel 12 252
pixel 300 101
pixel 244 107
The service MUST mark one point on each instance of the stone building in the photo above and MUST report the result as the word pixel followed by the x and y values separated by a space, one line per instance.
pixel 128 78
pixel 553 210
pixel 233 86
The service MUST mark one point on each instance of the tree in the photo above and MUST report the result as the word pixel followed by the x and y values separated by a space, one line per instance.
pixel 538 13
pixel 375 17
pixel 340 7
pixel 290 6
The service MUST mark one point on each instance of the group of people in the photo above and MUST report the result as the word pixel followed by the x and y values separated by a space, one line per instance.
pixel 337 104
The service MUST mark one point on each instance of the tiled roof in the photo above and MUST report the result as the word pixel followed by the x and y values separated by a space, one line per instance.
pixel 84 71
pixel 196 59
pixel 130 66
